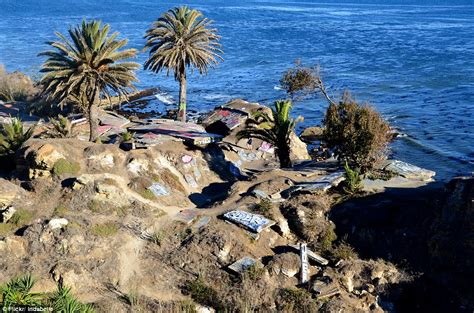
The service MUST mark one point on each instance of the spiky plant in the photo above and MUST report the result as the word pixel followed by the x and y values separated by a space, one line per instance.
pixel 353 181
pixel 87 68
pixel 61 127
pixel 275 129
pixel 63 301
pixel 179 39
pixel 17 292
pixel 13 136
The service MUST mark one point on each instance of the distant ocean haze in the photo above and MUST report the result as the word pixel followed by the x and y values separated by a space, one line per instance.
pixel 413 62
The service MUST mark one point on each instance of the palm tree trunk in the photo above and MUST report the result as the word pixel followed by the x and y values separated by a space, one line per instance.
pixel 283 154
pixel 94 117
pixel 182 98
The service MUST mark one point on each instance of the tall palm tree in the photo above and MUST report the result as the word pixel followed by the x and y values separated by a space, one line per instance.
pixel 181 38
pixel 87 68
pixel 275 129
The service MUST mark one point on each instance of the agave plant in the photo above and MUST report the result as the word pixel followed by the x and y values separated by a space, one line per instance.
pixel 61 127
pixel 179 39
pixel 87 68
pixel 63 301
pixel 13 136
pixel 17 292
pixel 275 129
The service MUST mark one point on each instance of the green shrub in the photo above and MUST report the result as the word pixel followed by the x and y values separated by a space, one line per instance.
pixel 127 136
pixel 21 217
pixel 327 238
pixel 264 207
pixel 344 251
pixel 6 228
pixel 62 128
pixel 63 166
pixel 202 293
pixel 63 301
pixel 358 134
pixel 254 272
pixel 295 300
pixel 353 181
pixel 12 137
pixel 147 194
pixel 104 230
pixel 17 293
pixel 300 79
pixel 61 210
pixel 157 237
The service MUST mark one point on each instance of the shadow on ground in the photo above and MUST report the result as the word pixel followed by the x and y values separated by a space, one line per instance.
pixel 404 226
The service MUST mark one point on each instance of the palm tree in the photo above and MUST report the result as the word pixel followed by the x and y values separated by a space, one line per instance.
pixel 181 38
pixel 275 129
pixel 86 68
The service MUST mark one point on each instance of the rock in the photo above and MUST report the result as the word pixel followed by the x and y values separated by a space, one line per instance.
pixel 7 214
pixel 56 223
pixel 311 134
pixel 44 285
pixel 409 171
pixel 13 246
pixel 288 264
pixel 298 149
pixel 8 192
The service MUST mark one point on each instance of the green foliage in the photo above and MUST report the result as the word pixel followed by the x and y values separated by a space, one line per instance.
pixel 6 228
pixel 295 300
pixel 264 207
pixel 327 238
pixel 344 251
pixel 157 237
pixel 63 166
pixel 127 136
pixel 254 272
pixel 13 136
pixel 62 128
pixel 147 194
pixel 61 210
pixel 182 38
pixel 300 79
pixel 17 293
pixel 96 206
pixel 353 181
pixel 21 217
pixel 63 301
pixel 15 86
pixel 104 230
pixel 202 293
pixel 275 129
pixel 358 134
pixel 87 67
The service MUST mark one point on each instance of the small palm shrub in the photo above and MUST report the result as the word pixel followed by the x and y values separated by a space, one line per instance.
pixel 61 128
pixel 353 181
pixel 274 129
pixel 13 136
pixel 63 301
pixel 17 292
pixel 358 134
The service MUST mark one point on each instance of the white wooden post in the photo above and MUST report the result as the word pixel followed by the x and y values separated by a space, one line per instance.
pixel 304 263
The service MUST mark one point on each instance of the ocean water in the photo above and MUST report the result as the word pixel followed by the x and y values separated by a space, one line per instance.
pixel 412 60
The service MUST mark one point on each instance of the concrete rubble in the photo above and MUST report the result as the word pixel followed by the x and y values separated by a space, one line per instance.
pixel 253 222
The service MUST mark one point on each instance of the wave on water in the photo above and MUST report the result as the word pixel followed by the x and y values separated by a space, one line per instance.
pixel 165 98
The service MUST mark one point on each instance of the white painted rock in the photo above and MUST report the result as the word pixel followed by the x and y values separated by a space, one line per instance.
pixel 57 223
